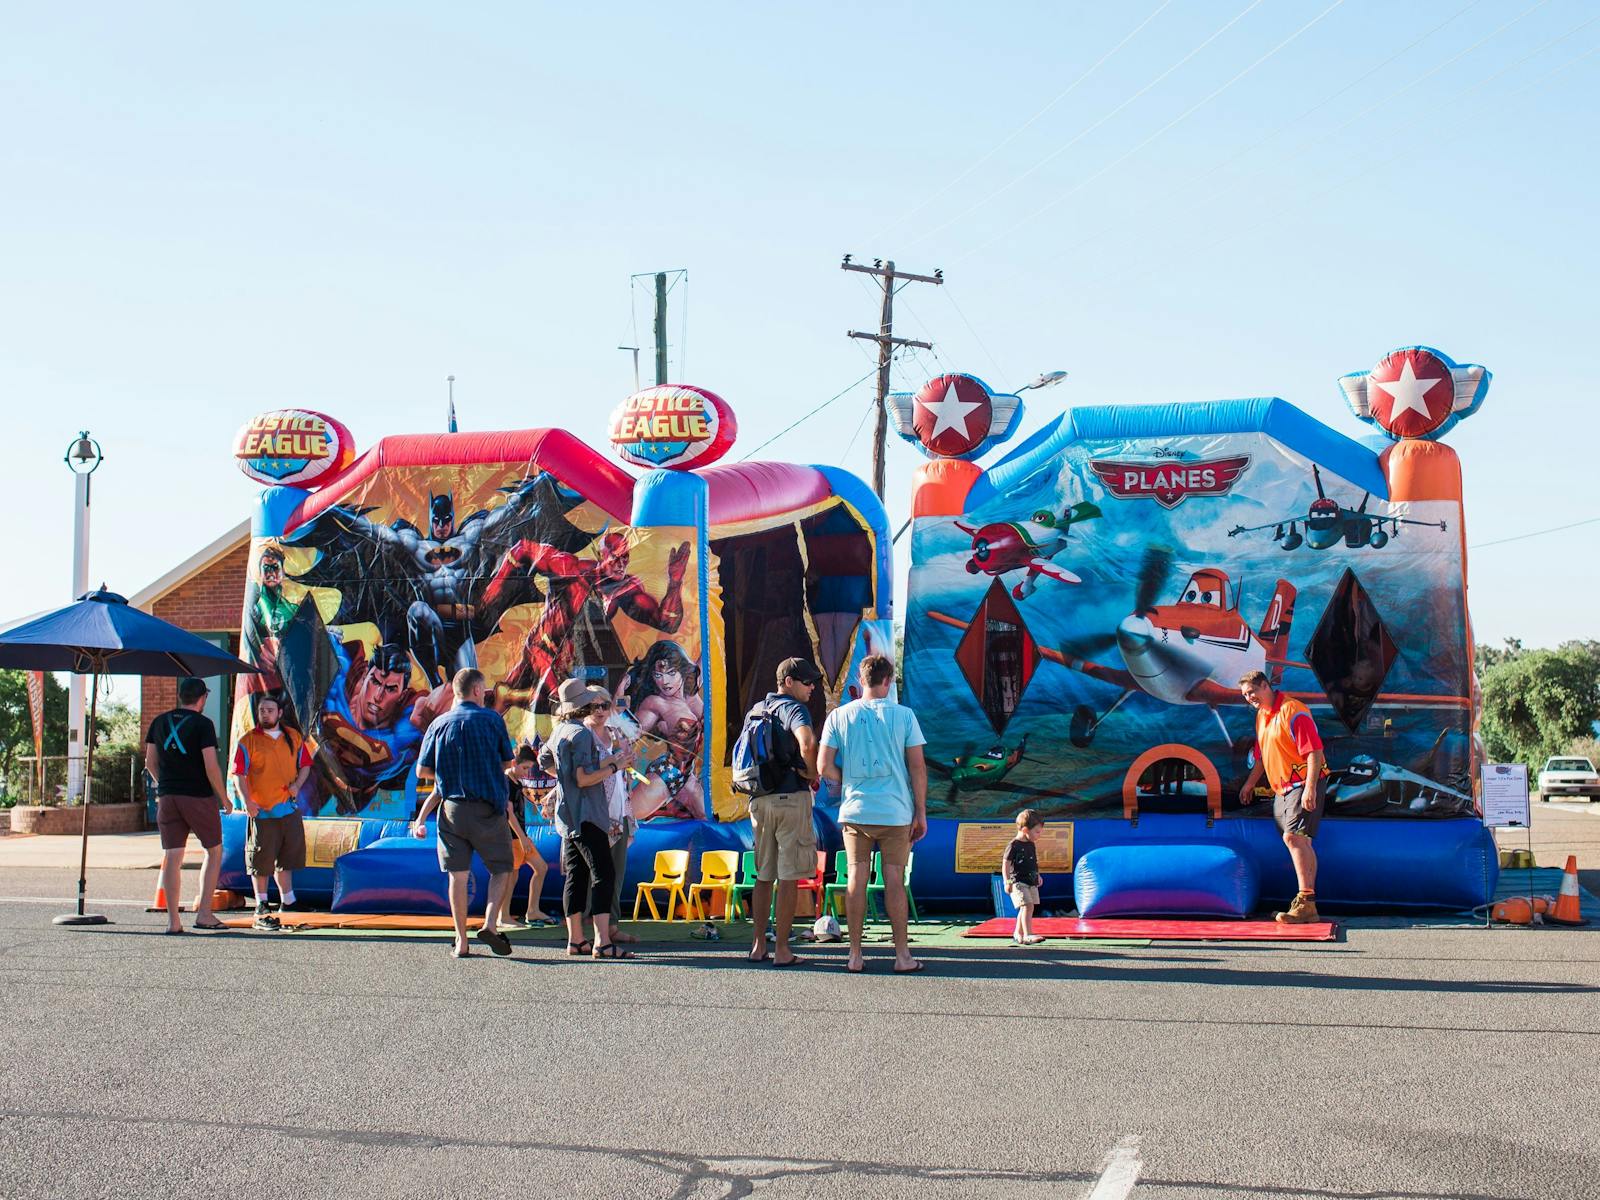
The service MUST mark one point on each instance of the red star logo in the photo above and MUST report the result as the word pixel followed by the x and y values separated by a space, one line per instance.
pixel 952 414
pixel 1411 393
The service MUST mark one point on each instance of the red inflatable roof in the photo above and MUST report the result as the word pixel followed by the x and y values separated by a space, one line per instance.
pixel 735 492
pixel 741 492
pixel 570 460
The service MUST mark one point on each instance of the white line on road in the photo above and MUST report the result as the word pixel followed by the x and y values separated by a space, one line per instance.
pixel 1119 1172
pixel 91 902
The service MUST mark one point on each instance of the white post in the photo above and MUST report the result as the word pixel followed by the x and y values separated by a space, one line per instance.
pixel 76 733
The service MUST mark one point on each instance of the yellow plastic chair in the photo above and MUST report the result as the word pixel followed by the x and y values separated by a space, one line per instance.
pixel 672 870
pixel 717 871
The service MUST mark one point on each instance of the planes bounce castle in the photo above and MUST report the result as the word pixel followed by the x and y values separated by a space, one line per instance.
pixel 1080 612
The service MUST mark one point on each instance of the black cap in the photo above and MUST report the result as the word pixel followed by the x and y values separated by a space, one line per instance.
pixel 798 668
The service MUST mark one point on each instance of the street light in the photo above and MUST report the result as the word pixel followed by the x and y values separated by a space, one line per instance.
pixel 1048 379
pixel 83 459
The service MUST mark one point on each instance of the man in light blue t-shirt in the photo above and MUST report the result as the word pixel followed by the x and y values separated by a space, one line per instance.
pixel 872 748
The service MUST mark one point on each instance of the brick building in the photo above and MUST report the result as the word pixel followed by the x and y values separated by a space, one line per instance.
pixel 205 595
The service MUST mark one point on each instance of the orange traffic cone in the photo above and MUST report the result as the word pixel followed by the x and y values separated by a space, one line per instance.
pixel 1567 910
pixel 159 904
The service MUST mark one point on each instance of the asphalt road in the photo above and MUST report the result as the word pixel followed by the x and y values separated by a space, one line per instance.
pixel 1414 1062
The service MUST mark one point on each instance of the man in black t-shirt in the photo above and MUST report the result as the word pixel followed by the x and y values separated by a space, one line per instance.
pixel 180 751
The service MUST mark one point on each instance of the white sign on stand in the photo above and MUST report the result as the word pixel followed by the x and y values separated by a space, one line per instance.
pixel 1505 796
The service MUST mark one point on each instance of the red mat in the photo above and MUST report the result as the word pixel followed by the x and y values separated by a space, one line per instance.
pixel 1163 930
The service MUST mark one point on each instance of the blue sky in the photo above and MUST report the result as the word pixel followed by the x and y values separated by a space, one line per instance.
pixel 213 210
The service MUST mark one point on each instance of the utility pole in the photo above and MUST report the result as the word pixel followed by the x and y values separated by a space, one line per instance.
pixel 886 275
pixel 661 327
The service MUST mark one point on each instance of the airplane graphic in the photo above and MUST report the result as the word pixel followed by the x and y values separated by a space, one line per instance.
pixel 1005 546
pixel 1328 523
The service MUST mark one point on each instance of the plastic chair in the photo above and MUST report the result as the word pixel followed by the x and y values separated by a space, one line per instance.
pixel 672 870
pixel 747 880
pixel 717 869
pixel 813 886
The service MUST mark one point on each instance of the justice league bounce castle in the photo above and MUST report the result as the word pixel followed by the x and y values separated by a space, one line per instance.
pixel 1080 612
pixel 373 579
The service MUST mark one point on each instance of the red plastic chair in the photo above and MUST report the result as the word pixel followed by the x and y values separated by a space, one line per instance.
pixel 814 884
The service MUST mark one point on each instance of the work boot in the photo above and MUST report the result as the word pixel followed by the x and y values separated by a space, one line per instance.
pixel 1303 911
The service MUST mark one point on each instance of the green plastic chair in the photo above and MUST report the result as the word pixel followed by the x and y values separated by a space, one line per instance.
pixel 746 883
pixel 836 889
pixel 875 888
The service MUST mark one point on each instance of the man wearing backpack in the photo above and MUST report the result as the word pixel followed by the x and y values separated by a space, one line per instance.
pixel 780 812
pixel 873 748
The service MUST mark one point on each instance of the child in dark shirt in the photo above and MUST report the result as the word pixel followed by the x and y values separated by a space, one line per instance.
pixel 1020 869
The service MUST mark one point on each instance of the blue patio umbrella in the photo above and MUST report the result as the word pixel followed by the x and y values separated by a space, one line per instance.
pixel 102 634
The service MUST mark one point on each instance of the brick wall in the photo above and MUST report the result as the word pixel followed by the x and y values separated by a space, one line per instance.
pixel 210 601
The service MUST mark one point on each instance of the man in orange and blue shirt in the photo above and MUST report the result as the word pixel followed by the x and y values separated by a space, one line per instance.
pixel 1289 753
pixel 271 764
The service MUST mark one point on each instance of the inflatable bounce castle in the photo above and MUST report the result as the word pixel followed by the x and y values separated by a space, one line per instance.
pixel 530 555
pixel 1081 613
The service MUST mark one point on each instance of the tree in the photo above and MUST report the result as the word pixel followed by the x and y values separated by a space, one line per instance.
pixel 1537 702
pixel 1485 657
pixel 16 720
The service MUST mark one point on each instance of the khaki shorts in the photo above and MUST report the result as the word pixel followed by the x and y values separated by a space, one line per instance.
pixel 276 844
pixel 893 842
pixel 785 839
pixel 1024 894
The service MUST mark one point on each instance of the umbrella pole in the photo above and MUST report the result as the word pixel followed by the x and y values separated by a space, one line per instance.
pixel 81 917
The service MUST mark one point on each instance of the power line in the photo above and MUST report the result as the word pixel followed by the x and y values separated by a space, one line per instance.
pixel 1184 187
pixel 1518 537
pixel 802 420
pixel 1012 136
pixel 1126 155
pixel 951 297
pixel 1087 130
pixel 1124 274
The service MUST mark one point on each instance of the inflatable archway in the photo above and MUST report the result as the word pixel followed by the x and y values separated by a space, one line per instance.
pixel 1080 614
pixel 530 555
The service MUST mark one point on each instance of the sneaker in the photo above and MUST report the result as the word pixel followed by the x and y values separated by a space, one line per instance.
pixel 1303 911
pixel 295 905
pixel 265 920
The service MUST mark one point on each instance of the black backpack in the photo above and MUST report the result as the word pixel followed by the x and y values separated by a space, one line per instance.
pixel 758 763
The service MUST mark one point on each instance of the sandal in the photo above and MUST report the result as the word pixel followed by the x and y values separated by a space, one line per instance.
pixel 612 950
pixel 579 949
pixel 495 940
pixel 214 927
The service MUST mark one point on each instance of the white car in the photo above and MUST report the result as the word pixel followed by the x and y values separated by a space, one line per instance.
pixel 1568 777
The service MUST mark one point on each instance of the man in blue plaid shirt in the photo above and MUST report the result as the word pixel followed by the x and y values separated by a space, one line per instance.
pixel 466 754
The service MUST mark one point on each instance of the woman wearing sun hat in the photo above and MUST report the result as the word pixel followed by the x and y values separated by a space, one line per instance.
pixel 582 813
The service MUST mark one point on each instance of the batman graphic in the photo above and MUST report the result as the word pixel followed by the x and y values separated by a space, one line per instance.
pixel 422 588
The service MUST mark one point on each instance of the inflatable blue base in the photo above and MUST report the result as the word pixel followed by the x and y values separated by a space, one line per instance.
pixel 1378 865
pixel 1165 879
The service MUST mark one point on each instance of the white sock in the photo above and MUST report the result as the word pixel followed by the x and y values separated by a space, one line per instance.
pixel 287 897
